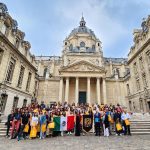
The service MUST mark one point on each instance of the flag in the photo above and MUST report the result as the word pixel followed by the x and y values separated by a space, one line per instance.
pixel 87 122
pixel 64 123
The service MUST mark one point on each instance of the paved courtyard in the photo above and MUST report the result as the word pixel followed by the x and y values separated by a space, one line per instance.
pixel 88 142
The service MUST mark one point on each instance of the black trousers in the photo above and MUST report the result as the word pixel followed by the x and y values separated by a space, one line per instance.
pixel 21 131
pixel 126 129
pixel 8 128
pixel 97 128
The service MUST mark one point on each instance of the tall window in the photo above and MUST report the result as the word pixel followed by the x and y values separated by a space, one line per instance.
pixel 24 102
pixel 1 55
pixel 21 76
pixel 17 43
pixel 15 102
pixel 45 71
pixel 141 62
pixel 138 84
pixel 148 57
pixel 144 80
pixel 28 81
pixel 10 70
pixel 128 89
pixel 4 28
pixel 135 68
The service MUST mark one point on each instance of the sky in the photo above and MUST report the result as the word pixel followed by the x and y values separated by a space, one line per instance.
pixel 46 23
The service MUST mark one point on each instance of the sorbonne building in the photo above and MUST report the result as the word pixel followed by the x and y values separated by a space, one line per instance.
pixel 81 75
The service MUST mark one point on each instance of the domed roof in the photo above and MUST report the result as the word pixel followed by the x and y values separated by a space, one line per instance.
pixel 82 29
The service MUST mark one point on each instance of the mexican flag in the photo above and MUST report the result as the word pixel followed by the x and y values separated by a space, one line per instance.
pixel 64 123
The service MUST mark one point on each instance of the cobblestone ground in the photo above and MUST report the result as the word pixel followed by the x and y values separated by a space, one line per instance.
pixel 88 142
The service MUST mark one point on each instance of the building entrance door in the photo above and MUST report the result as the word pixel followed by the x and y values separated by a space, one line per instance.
pixel 82 97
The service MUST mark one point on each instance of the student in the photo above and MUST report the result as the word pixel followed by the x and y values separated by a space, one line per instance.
pixel 106 124
pixel 118 127
pixel 15 124
pixel 97 117
pixel 78 125
pixel 43 125
pixel 125 121
pixel 9 122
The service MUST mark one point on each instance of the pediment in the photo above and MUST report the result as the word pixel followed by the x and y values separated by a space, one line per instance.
pixel 82 66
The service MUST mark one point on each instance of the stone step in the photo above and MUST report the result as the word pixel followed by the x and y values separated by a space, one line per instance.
pixel 140 133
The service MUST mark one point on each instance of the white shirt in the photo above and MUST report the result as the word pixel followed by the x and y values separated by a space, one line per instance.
pixel 125 116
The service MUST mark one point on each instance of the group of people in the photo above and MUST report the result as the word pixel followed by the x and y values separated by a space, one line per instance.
pixel 37 120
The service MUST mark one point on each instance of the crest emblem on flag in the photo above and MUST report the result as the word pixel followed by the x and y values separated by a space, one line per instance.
pixel 63 123
pixel 87 122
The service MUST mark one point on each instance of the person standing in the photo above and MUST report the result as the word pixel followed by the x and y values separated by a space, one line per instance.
pixel 125 121
pixel 78 125
pixel 106 124
pixel 9 122
pixel 15 124
pixel 24 121
pixel 97 118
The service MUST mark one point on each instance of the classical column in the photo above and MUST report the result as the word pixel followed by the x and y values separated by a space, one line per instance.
pixel 61 89
pixel 67 90
pixel 98 90
pixel 88 90
pixel 104 91
pixel 77 90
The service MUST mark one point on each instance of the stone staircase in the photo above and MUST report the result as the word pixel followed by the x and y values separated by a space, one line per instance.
pixel 140 125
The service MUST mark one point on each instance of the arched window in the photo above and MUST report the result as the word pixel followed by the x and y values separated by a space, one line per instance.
pixel 45 71
pixel 93 48
pixel 98 44
pixel 65 43
pixel 71 47
pixel 82 44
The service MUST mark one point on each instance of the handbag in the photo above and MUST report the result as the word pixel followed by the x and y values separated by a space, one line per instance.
pixel 118 126
pixel 51 125
pixel 43 128
pixel 26 129
pixel 127 122
pixel 33 132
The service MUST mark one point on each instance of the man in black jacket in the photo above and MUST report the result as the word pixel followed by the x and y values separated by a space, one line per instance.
pixel 9 121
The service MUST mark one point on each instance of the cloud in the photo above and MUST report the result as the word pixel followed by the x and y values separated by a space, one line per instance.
pixel 47 23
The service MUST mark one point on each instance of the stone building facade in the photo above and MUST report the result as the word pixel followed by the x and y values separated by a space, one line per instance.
pixel 80 75
pixel 17 65
pixel 138 84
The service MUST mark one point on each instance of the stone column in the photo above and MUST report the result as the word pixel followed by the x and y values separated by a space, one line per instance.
pixel 98 90
pixel 67 90
pixel 104 91
pixel 88 90
pixel 76 90
pixel 61 89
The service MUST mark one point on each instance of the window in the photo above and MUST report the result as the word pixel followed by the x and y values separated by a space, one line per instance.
pixel 4 28
pixel 21 76
pixel 17 43
pixel 138 84
pixel 128 89
pixel 141 62
pixel 10 70
pixel 28 81
pixel 45 71
pixel 93 48
pixel 98 44
pixel 135 68
pixel 65 43
pixel 3 101
pixel 148 57
pixel 1 55
pixel 144 80
pixel 24 102
pixel 71 47
pixel 82 44
pixel 130 105
pixel 15 102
